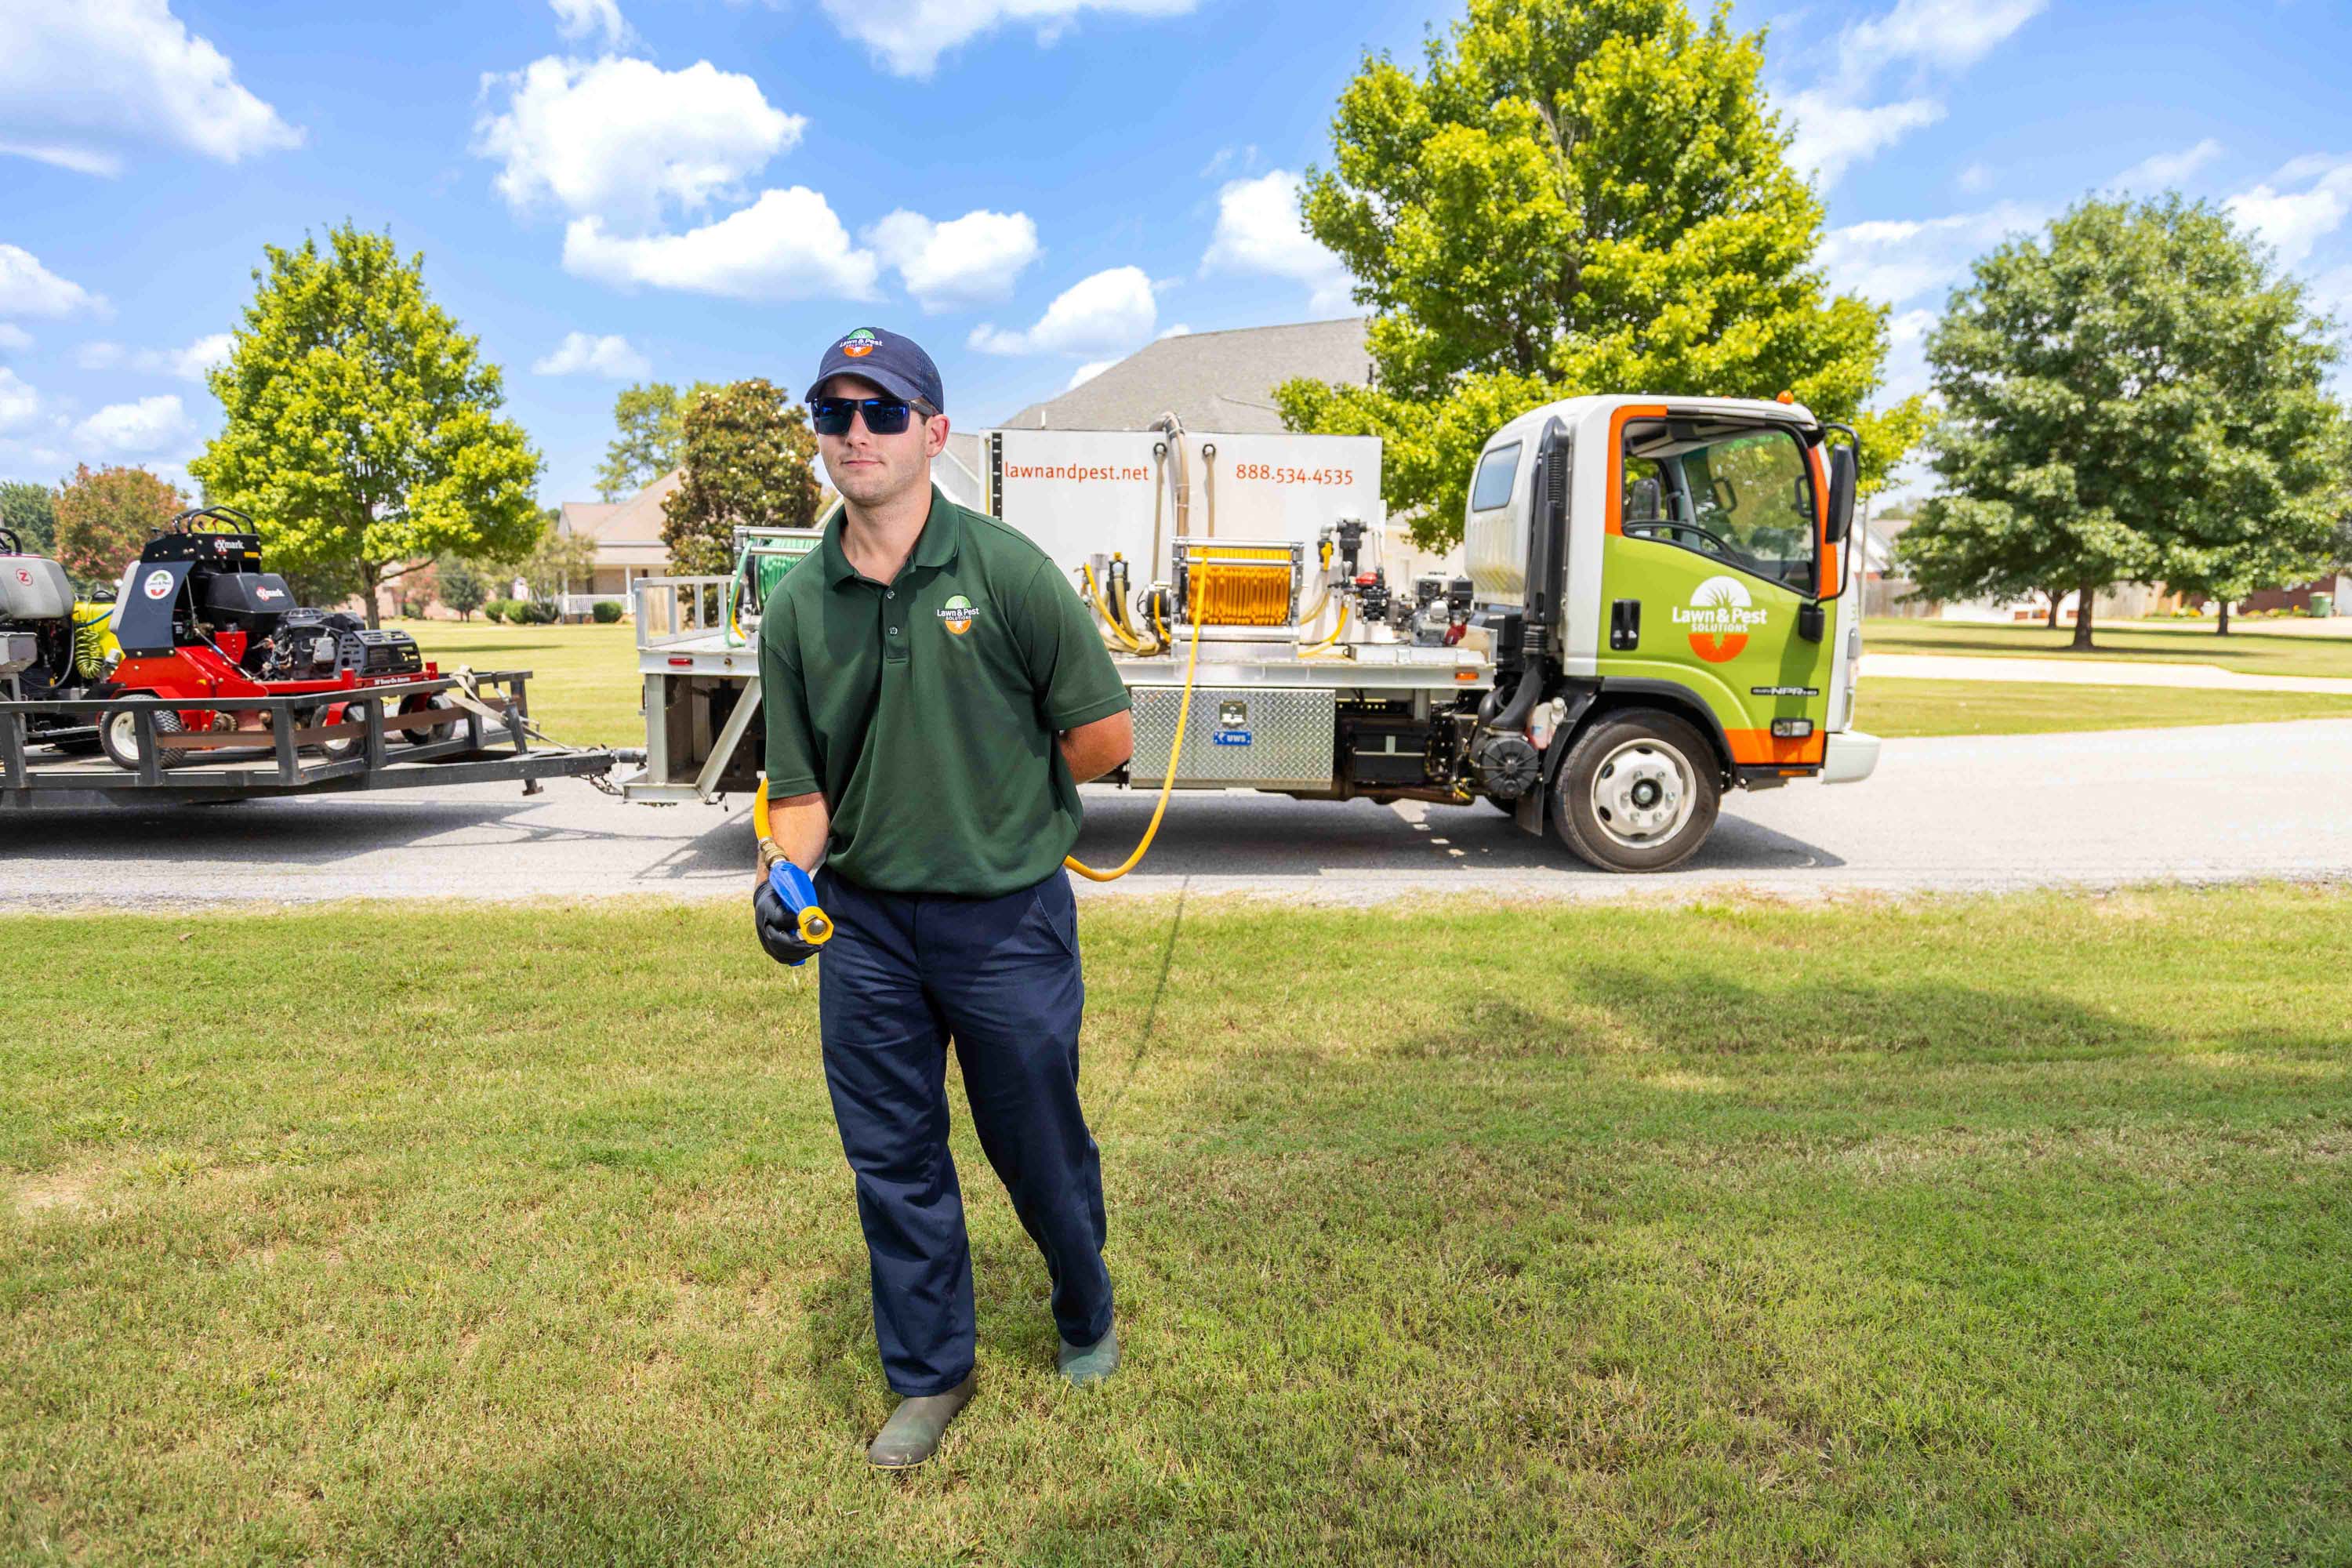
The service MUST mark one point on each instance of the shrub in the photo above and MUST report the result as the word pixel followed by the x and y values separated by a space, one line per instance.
pixel 606 612
pixel 495 609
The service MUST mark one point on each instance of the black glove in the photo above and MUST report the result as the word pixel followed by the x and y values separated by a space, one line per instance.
pixel 779 928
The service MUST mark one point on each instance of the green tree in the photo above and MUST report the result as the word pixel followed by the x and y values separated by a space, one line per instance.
pixel 750 459
pixel 2134 394
pixel 464 587
pixel 649 421
pixel 105 516
pixel 30 511
pixel 560 562
pixel 362 426
pixel 1575 196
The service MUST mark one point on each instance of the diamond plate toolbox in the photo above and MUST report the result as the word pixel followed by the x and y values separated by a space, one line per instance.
pixel 1237 737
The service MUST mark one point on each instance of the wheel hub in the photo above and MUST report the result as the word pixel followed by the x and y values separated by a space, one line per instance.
pixel 1642 793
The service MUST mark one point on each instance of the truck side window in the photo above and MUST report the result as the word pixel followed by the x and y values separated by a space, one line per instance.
pixel 1496 470
pixel 1742 496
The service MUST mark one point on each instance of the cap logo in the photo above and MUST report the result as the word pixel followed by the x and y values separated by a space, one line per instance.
pixel 860 344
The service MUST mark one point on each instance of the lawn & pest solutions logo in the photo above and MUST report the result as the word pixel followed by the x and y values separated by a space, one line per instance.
pixel 860 344
pixel 958 614
pixel 1719 618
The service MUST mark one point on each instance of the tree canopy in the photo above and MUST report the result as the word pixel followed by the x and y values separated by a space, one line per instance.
pixel 1575 196
pixel 2135 394
pixel 30 511
pixel 105 516
pixel 362 426
pixel 649 438
pixel 750 459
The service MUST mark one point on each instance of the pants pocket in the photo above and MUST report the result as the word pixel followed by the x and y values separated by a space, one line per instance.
pixel 1052 918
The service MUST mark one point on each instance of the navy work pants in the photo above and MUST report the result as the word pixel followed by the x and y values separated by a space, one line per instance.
pixel 903 974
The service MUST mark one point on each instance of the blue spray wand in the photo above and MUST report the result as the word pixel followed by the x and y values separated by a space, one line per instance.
pixel 799 893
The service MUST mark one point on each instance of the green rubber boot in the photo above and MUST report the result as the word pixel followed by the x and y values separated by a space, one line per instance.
pixel 912 1433
pixel 1092 1363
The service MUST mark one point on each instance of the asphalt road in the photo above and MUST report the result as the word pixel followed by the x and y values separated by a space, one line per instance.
pixel 1999 813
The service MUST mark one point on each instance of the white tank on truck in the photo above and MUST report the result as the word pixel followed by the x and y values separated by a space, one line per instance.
pixel 1653 612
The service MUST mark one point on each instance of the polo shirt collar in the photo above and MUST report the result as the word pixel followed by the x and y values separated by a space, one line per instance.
pixel 936 546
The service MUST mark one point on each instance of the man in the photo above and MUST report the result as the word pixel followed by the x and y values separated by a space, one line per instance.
pixel 934 694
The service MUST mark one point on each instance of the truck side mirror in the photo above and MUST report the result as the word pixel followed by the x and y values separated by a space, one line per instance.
pixel 1844 468
pixel 1647 500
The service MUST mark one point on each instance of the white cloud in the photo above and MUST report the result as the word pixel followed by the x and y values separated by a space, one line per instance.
pixel 1109 312
pixel 80 160
pixel 965 261
pixel 2293 219
pixel 14 339
pixel 1975 179
pixel 1900 261
pixel 1831 137
pixel 622 139
pixel 788 245
pixel 29 288
pixel 2163 169
pixel 1258 230
pixel 610 356
pixel 1175 329
pixel 1088 371
pixel 1951 35
pixel 188 363
pixel 907 40
pixel 81 77
pixel 1240 160
pixel 18 403
pixel 148 426
pixel 1906 370
pixel 578 18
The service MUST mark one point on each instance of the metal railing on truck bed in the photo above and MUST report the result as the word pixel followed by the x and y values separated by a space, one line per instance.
pixel 186 768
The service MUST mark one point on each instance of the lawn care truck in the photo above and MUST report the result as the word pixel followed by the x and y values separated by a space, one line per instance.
pixel 1654 611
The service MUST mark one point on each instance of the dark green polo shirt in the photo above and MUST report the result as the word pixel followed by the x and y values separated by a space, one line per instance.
pixel 925 710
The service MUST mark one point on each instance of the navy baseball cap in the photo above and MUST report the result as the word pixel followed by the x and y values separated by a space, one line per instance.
pixel 896 365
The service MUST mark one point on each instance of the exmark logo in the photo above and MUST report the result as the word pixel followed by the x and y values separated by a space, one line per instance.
pixel 158 584
pixel 958 614
pixel 1719 618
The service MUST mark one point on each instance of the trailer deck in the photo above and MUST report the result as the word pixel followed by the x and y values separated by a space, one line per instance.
pixel 491 744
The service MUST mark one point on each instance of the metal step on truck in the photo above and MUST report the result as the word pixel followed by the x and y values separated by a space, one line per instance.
pixel 1654 610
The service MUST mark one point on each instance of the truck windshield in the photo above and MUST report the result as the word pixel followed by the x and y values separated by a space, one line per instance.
pixel 1740 494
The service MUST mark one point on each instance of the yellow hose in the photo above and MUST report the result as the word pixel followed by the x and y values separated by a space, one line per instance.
pixel 1326 642
pixel 1109 620
pixel 1175 750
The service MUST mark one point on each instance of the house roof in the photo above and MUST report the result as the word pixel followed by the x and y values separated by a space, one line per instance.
pixel 627 532
pixel 1211 381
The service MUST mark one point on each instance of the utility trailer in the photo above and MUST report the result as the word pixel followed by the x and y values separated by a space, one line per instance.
pixel 376 748
pixel 1653 611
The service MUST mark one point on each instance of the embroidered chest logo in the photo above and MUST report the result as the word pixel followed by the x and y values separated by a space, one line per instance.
pixel 958 614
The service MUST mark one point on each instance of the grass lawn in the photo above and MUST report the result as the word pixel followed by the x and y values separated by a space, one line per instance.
pixel 1891 708
pixel 2010 1231
pixel 584 688
pixel 2162 642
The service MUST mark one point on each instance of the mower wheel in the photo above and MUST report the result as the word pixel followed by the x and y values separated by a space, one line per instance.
pixel 342 748
pixel 421 703
pixel 118 736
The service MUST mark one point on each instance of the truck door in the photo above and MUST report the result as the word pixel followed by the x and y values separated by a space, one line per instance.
pixel 1709 574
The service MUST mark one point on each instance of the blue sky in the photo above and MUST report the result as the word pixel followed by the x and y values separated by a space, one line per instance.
pixel 610 190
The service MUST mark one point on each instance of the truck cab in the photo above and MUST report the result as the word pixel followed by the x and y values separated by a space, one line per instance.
pixel 1663 585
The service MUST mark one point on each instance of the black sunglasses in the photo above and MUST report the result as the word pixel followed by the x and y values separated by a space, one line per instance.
pixel 884 416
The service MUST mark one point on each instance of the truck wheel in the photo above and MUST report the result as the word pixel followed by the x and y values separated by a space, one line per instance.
pixel 118 736
pixel 1637 792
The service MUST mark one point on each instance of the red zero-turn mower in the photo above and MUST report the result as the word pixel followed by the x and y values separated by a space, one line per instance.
pixel 198 618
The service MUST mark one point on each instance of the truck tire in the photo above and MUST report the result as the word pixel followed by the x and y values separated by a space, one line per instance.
pixel 1637 792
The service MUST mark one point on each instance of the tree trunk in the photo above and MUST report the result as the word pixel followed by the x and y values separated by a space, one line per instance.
pixel 2055 594
pixel 2221 621
pixel 371 581
pixel 2083 618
